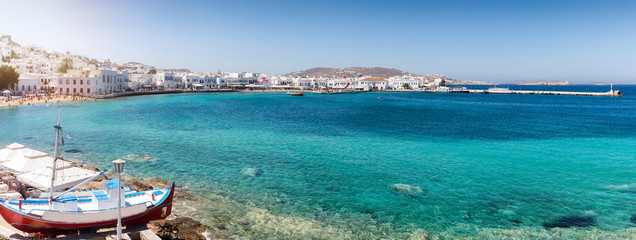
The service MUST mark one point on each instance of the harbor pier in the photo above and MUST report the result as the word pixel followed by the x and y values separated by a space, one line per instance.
pixel 611 93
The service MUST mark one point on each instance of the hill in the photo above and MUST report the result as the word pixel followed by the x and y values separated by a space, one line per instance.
pixel 349 72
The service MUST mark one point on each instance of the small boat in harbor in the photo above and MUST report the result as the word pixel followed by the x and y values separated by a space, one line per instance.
pixel 59 212
pixel 496 90
pixel 296 93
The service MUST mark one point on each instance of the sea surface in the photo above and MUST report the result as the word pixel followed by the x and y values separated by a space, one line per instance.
pixel 370 165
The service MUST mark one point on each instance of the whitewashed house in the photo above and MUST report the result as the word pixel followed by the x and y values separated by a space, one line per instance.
pixel 165 80
pixel 375 83
pixel 96 82
pixel 399 83
pixel 141 81
pixel 35 83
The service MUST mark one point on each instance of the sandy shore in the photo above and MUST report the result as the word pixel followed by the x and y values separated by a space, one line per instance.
pixel 31 101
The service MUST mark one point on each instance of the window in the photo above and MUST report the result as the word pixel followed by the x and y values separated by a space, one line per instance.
pixel 66 90
pixel 67 81
pixel 81 90
pixel 74 81
pixel 88 82
pixel 81 82
pixel 103 79
pixel 88 90
pixel 74 90
pixel 61 81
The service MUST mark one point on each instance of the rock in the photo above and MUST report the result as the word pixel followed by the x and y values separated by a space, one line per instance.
pixel 142 157
pixel 627 188
pixel 137 184
pixel 73 151
pixel 419 234
pixel 571 221
pixel 179 228
pixel 220 226
pixel 242 222
pixel 408 190
pixel 633 219
pixel 252 172
pixel 92 168
pixel 516 221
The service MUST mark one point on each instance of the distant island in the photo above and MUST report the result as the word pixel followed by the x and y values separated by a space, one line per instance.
pixel 547 83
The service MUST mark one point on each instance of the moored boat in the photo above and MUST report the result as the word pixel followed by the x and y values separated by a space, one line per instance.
pixel 496 90
pixel 296 93
pixel 55 212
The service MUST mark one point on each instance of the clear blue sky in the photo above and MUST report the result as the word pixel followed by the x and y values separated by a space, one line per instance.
pixel 500 41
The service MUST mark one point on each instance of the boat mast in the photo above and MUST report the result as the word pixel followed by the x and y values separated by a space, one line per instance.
pixel 58 129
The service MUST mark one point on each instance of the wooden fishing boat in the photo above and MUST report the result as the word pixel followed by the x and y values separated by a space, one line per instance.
pixel 79 210
pixel 296 93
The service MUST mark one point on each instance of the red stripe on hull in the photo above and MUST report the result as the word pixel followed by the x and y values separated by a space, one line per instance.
pixel 36 224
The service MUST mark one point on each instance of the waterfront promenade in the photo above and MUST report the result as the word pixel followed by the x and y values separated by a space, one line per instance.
pixel 612 93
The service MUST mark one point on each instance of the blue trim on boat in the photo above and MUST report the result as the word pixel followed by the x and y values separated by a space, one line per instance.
pixel 112 183
pixel 100 195
pixel 134 194
pixel 35 201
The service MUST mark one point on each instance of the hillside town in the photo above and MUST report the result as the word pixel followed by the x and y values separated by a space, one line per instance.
pixel 49 72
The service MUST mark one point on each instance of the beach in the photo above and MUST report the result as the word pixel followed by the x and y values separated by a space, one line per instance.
pixel 33 100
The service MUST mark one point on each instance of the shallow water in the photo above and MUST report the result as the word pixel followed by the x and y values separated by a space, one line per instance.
pixel 484 163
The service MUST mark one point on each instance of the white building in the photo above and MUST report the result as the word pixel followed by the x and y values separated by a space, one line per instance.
pixel 209 81
pixel 374 83
pixel 96 82
pixel 303 83
pixel 341 83
pixel 38 83
pixel 192 82
pixel 166 80
pixel 398 83
pixel 138 81
pixel 234 80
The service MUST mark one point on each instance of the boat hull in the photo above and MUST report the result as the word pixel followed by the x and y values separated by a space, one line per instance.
pixel 34 224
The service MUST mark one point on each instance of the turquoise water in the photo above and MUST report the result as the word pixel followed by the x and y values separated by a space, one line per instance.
pixel 483 162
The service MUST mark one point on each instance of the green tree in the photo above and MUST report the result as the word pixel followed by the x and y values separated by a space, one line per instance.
pixel 67 64
pixel 14 55
pixel 406 86
pixel 8 77
pixel 153 71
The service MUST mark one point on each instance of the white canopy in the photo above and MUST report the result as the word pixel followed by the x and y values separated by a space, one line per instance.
pixel 6 91
pixel 15 146
pixel 28 163
pixel 14 150
pixel 65 178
